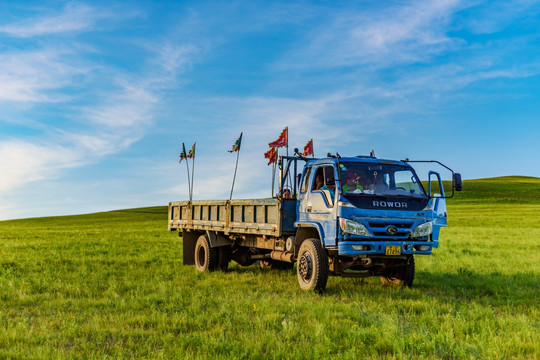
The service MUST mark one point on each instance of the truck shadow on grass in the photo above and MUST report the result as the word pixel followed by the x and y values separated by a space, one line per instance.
pixel 521 288
pixel 516 288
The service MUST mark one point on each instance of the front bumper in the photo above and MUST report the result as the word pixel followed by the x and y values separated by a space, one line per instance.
pixel 349 248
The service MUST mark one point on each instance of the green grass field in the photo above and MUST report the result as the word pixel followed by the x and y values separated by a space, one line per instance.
pixel 112 285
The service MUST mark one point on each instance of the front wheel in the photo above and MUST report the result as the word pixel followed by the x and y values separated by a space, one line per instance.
pixel 400 275
pixel 312 266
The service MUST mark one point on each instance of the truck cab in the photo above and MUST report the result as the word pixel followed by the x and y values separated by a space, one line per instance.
pixel 370 215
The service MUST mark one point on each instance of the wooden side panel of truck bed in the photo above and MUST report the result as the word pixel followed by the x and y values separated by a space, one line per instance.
pixel 254 216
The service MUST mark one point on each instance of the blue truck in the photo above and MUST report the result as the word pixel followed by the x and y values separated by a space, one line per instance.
pixel 346 216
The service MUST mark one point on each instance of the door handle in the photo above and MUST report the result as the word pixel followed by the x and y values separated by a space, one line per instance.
pixel 309 209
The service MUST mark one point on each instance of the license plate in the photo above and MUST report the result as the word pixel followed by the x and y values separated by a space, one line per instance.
pixel 393 250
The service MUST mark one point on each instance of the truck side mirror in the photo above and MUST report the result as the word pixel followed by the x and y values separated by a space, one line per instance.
pixel 457 182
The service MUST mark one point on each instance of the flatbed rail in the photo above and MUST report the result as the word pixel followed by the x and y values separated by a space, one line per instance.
pixel 254 216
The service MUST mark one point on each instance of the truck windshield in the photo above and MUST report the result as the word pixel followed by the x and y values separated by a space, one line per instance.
pixel 380 179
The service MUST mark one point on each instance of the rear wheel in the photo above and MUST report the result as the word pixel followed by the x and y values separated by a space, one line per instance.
pixel 312 266
pixel 400 275
pixel 206 257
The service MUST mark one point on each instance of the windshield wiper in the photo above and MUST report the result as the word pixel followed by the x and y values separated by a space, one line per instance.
pixel 416 197
pixel 364 194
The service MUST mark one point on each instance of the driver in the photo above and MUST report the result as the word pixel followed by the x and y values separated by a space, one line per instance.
pixel 351 184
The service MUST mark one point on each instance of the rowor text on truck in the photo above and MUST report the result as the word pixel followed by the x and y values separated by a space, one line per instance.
pixel 348 216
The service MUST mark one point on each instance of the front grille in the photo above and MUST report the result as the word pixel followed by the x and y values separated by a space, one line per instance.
pixel 378 228
pixel 374 225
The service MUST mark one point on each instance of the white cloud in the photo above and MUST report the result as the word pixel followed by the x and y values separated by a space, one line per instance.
pixel 30 76
pixel 391 34
pixel 74 17
pixel 22 162
pixel 410 23
pixel 173 57
pixel 130 106
pixel 94 146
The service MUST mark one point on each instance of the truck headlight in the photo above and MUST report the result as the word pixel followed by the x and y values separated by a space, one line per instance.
pixel 353 227
pixel 422 230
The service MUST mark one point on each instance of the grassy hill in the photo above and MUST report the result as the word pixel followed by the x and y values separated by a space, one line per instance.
pixel 509 189
pixel 112 285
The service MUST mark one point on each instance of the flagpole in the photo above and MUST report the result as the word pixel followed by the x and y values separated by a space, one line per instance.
pixel 183 156
pixel 192 172
pixel 287 140
pixel 236 147
pixel 288 179
pixel 274 165
pixel 188 178
pixel 234 178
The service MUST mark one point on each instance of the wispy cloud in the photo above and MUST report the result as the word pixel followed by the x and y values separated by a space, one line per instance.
pixel 174 57
pixel 74 17
pixel 129 106
pixel 27 162
pixel 29 76
pixel 393 34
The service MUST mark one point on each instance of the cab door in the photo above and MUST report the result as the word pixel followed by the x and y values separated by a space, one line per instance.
pixel 317 204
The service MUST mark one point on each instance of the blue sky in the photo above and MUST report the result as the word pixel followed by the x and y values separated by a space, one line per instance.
pixel 96 97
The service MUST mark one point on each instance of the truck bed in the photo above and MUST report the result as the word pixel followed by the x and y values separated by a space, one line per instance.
pixel 270 217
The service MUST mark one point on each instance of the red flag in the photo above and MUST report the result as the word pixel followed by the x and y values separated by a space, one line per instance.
pixel 274 158
pixel 308 149
pixel 183 154
pixel 271 155
pixel 283 139
pixel 191 153
pixel 236 146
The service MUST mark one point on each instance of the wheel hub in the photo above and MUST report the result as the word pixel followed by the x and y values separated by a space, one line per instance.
pixel 305 266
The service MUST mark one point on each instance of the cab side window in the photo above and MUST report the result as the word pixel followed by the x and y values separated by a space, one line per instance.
pixel 318 180
pixel 305 183
pixel 324 181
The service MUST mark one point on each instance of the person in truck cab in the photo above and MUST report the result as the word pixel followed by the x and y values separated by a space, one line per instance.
pixel 331 188
pixel 351 184
pixel 377 182
pixel 363 180
pixel 319 182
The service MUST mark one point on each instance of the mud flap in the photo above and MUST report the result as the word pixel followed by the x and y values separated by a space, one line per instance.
pixel 189 240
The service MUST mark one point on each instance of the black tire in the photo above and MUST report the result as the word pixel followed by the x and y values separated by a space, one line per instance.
pixel 312 266
pixel 401 275
pixel 224 258
pixel 206 257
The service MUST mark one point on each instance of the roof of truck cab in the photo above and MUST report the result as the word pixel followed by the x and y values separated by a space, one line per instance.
pixel 359 159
